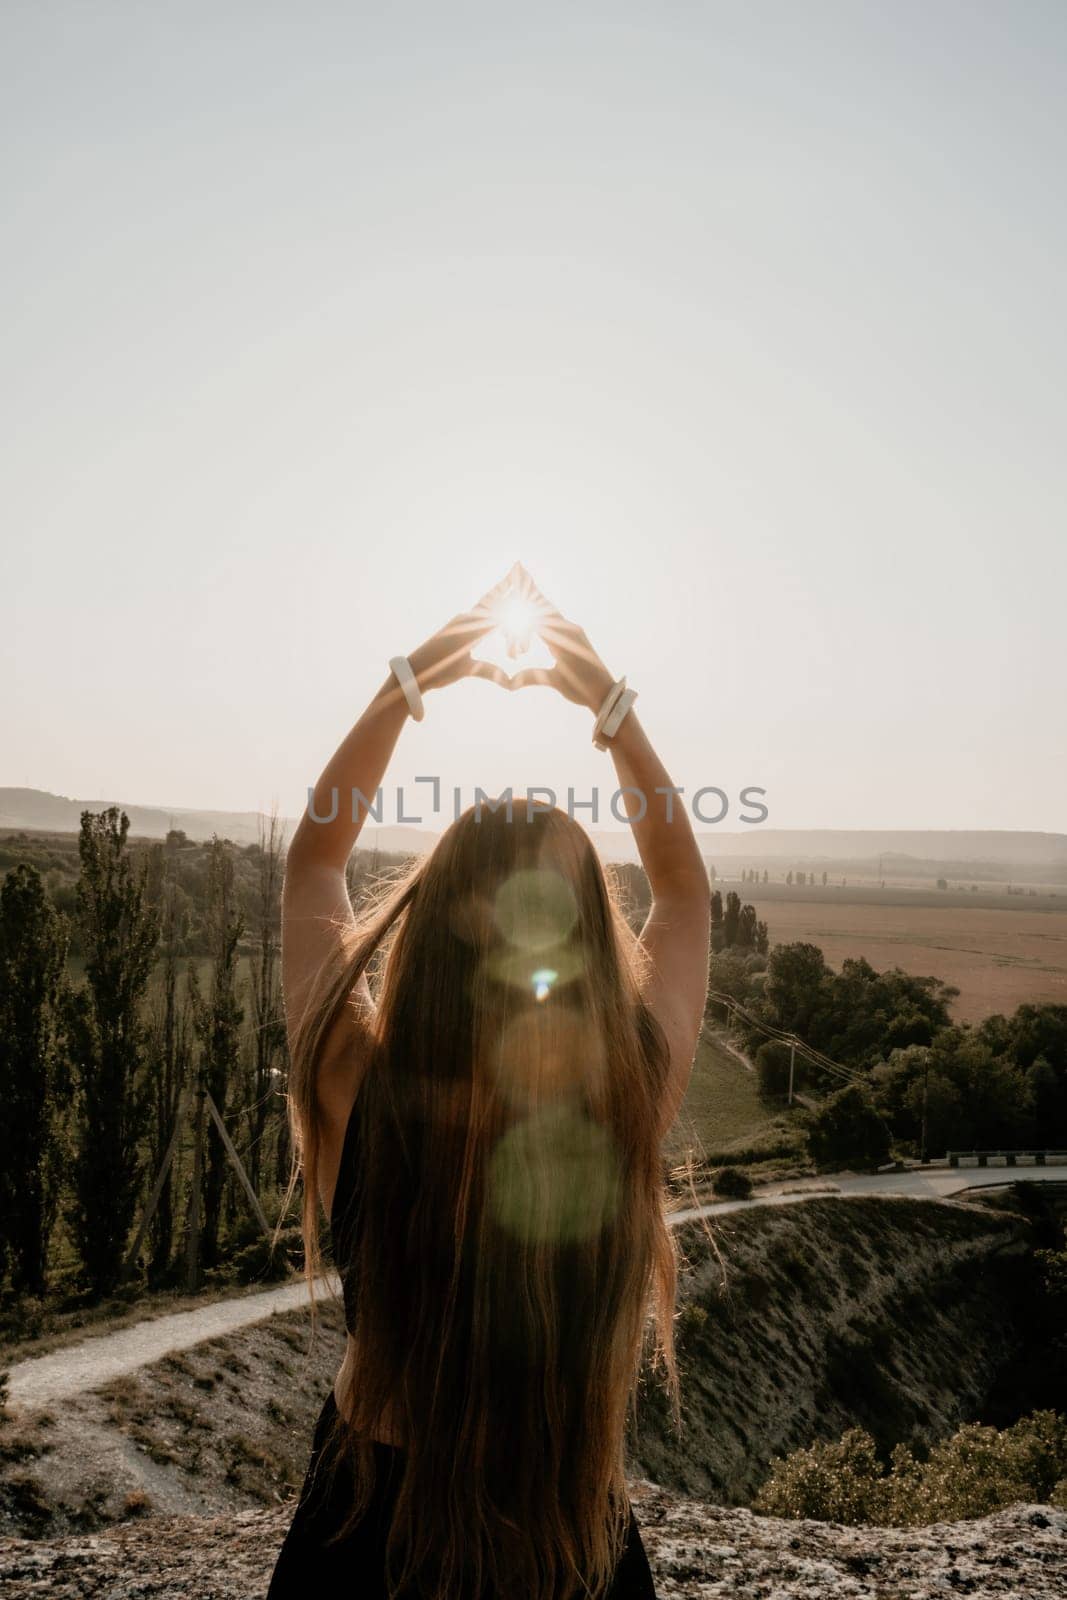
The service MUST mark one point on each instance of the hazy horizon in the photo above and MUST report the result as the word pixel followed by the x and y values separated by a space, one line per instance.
pixel 743 330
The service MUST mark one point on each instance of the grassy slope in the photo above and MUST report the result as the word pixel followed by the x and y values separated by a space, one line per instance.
pixel 724 1119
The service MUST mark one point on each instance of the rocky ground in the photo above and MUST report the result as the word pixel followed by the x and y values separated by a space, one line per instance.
pixel 694 1550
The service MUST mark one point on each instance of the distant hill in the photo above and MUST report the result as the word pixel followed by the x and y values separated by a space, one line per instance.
pixel 1001 845
pixel 966 854
pixel 896 853
pixel 36 811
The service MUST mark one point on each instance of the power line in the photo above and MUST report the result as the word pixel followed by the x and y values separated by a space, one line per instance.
pixel 808 1052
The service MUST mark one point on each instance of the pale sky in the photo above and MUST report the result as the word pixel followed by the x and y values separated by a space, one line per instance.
pixel 741 325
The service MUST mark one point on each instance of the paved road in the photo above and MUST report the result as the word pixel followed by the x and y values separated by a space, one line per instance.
pixel 935 1183
pixel 46 1380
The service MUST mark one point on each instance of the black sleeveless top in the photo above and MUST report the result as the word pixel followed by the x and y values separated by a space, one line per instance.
pixel 312 1559
pixel 345 1211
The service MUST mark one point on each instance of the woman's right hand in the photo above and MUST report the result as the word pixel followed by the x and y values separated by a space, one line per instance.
pixel 446 657
pixel 578 672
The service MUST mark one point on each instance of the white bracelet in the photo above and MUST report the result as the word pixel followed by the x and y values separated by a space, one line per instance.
pixel 605 710
pixel 400 667
pixel 615 717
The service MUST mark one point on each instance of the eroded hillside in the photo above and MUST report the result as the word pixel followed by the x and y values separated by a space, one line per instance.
pixel 892 1313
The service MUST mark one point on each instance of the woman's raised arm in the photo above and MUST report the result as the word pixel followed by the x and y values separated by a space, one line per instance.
pixel 316 911
pixel 677 932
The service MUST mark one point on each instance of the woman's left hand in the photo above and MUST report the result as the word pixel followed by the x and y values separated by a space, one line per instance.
pixel 446 656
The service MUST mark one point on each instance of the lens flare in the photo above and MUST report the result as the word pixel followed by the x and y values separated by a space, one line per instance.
pixel 542 981
pixel 535 908
pixel 555 1176
pixel 547 1053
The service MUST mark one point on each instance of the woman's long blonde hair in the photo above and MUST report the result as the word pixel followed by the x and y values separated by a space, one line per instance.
pixel 511 1264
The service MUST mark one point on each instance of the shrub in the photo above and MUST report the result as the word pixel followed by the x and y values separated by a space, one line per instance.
pixel 979 1470
pixel 731 1183
pixel 841 1481
pixel 974 1473
pixel 692 1317
pixel 258 1261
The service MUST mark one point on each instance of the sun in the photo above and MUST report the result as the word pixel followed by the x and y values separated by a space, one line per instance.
pixel 516 642
pixel 517 617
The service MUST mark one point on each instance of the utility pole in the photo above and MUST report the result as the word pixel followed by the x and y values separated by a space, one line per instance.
pixel 792 1064
pixel 922 1146
pixel 192 1242
pixel 157 1190
pixel 237 1164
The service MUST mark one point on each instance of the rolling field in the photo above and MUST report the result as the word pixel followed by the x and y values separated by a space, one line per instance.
pixel 999 953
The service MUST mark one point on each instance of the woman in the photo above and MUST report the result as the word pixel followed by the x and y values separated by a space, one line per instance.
pixel 484 1132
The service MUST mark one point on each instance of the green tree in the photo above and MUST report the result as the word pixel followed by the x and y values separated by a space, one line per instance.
pixel 731 920
pixel 119 927
pixel 746 928
pixel 797 981
pixel 268 1020
pixel 846 1130
pixel 217 1021
pixel 717 939
pixel 866 1013
pixel 169 1050
pixel 772 1067
pixel 33 946
pixel 994 1107
pixel 728 974
pixel 1047 1092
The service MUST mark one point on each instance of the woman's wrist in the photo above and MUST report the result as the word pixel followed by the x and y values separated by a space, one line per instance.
pixel 601 683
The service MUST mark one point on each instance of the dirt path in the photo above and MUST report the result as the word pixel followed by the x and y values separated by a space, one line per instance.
pixel 44 1380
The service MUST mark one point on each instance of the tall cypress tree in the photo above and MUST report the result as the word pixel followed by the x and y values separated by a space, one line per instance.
pixel 732 918
pixel 268 1019
pixel 217 1020
pixel 169 1048
pixel 33 947
pixel 119 928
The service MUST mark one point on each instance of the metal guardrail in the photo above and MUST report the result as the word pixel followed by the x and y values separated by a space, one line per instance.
pixel 1009 1157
